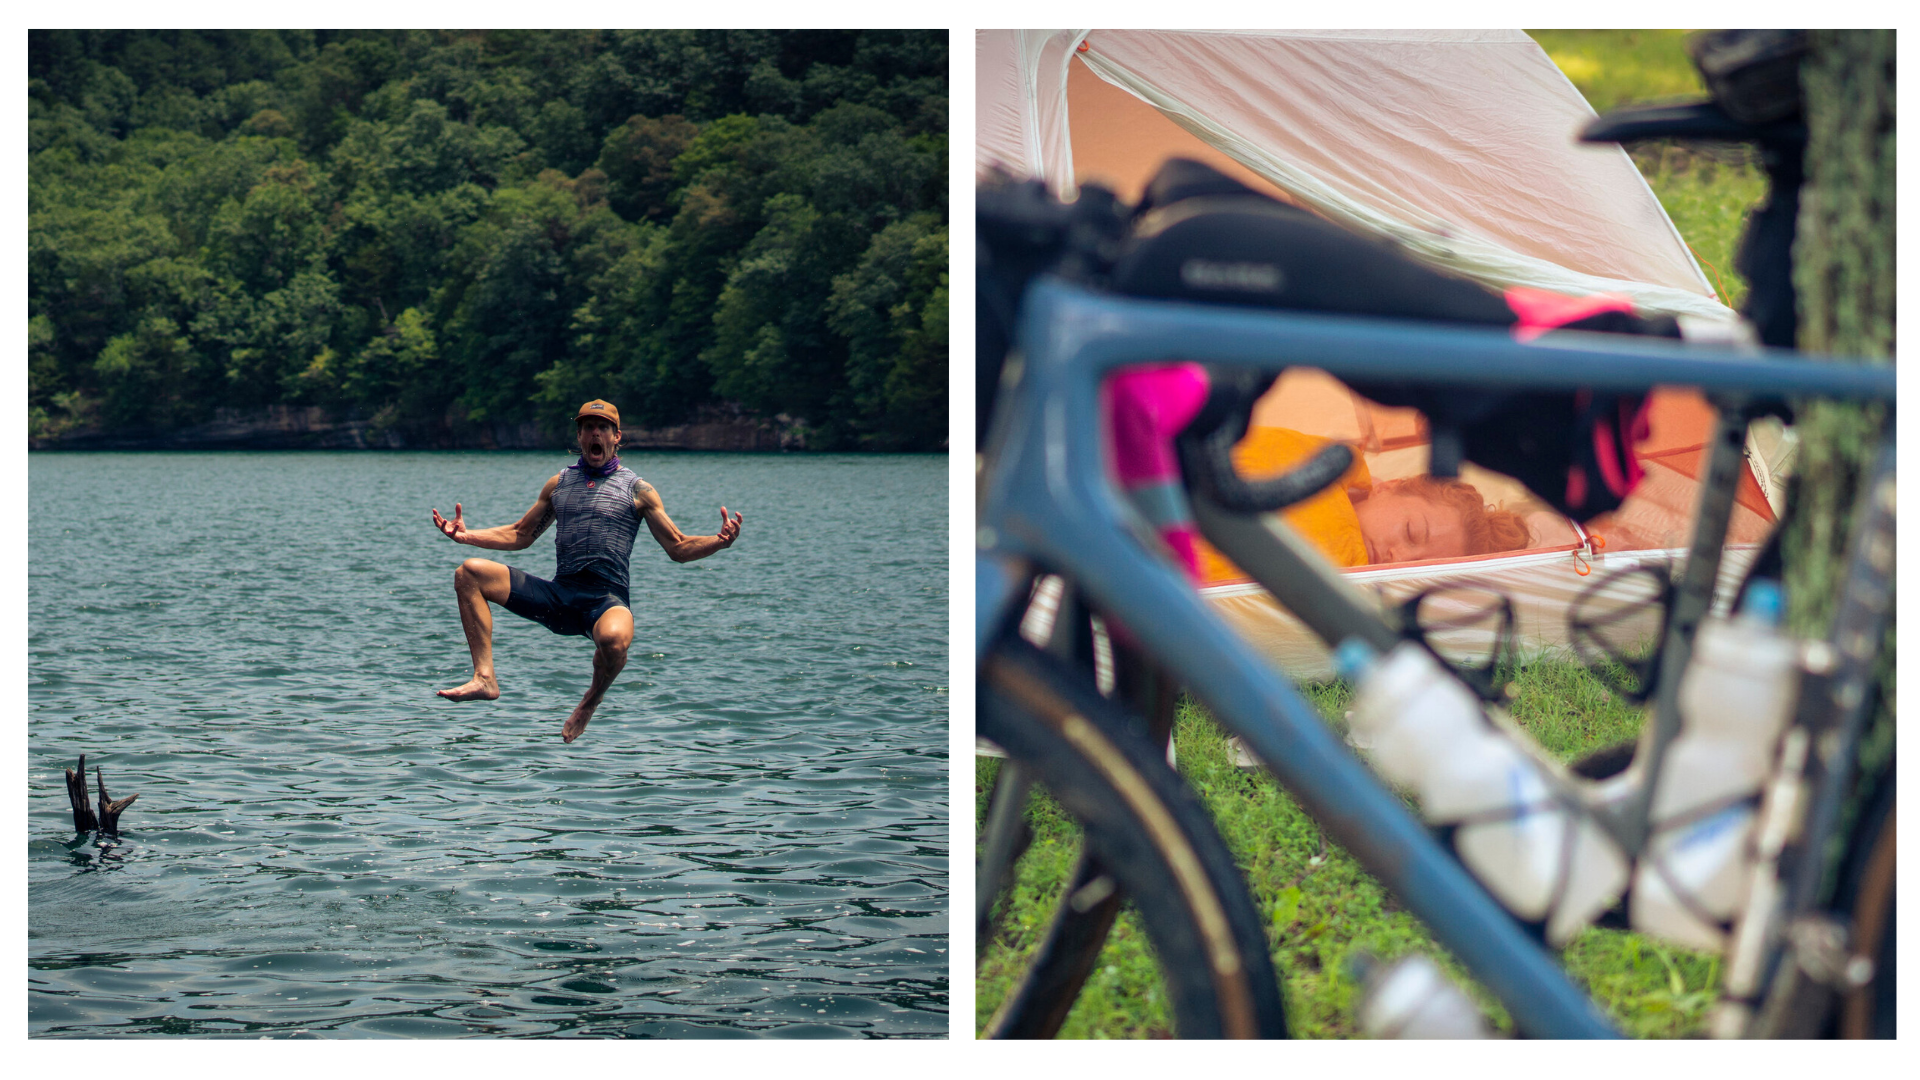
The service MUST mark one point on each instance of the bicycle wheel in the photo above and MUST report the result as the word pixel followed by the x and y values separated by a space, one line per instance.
pixel 1077 931
pixel 1037 1007
pixel 1149 833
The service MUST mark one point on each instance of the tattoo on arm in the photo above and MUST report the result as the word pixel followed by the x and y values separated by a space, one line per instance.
pixel 645 499
pixel 541 526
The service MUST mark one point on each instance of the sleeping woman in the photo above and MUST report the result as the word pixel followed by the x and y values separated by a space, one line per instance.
pixel 1360 521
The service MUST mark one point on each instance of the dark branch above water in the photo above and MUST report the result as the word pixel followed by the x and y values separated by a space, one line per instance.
pixel 85 819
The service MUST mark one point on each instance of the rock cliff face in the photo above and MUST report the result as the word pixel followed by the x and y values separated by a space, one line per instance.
pixel 281 427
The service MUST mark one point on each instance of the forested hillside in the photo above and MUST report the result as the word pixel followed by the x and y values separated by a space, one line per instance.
pixel 449 231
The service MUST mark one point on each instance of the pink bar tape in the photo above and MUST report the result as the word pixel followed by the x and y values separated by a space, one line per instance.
pixel 1146 408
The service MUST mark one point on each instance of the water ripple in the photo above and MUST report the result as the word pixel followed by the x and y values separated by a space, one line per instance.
pixel 750 841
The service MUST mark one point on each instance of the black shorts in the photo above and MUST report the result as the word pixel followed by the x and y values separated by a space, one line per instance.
pixel 570 605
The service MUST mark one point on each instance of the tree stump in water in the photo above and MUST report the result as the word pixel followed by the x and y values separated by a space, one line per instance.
pixel 84 818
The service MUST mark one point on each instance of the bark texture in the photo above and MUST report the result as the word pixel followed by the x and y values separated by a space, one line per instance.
pixel 1844 274
pixel 84 820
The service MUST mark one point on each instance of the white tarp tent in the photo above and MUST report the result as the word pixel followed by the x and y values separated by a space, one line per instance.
pixel 1459 144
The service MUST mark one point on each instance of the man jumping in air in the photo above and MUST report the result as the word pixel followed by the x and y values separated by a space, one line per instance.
pixel 599 505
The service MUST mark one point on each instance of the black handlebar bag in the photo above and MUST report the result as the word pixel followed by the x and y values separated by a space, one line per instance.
pixel 1201 236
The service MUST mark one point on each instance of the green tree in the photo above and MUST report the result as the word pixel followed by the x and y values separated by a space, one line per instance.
pixel 425 151
pixel 891 308
pixel 392 362
pixel 196 184
pixel 141 373
pixel 79 257
pixel 615 335
pixel 265 238
pixel 665 368
pixel 765 348
pixel 47 413
pixel 718 146
pixel 518 293
pixel 638 160
pixel 445 227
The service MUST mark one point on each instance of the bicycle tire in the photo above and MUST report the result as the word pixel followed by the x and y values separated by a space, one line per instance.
pixel 1038 1006
pixel 1149 831
pixel 1059 966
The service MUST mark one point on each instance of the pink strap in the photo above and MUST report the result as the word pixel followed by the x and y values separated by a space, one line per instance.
pixel 1619 465
pixel 1540 311
pixel 1611 456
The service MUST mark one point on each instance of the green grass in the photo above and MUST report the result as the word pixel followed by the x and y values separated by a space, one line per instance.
pixel 1705 190
pixel 1622 67
pixel 1320 905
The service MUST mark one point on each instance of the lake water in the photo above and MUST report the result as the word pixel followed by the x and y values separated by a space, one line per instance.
pixel 750 839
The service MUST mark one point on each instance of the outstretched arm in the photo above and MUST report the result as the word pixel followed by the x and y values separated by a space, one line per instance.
pixel 512 537
pixel 678 545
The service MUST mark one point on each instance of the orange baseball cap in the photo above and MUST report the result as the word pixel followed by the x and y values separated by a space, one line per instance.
pixel 597 408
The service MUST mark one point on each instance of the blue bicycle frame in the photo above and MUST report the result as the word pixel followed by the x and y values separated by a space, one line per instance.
pixel 1048 502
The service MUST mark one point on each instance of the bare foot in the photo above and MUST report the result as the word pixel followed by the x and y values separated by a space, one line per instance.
pixel 576 723
pixel 478 688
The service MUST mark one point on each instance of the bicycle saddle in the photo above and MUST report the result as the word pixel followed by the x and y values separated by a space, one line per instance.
pixel 1202 237
pixel 1701 121
pixel 1754 77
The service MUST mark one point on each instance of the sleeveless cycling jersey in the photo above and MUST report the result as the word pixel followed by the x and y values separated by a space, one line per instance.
pixel 594 524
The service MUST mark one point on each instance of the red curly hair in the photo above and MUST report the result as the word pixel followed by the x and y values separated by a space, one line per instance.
pixel 1489 529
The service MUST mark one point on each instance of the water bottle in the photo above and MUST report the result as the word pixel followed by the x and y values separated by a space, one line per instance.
pixel 1413 999
pixel 1428 734
pixel 1735 701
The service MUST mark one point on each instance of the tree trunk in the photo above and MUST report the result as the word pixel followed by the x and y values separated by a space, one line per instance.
pixel 1844 276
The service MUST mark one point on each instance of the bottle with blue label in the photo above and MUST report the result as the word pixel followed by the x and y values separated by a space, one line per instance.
pixel 1429 733
pixel 1736 698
